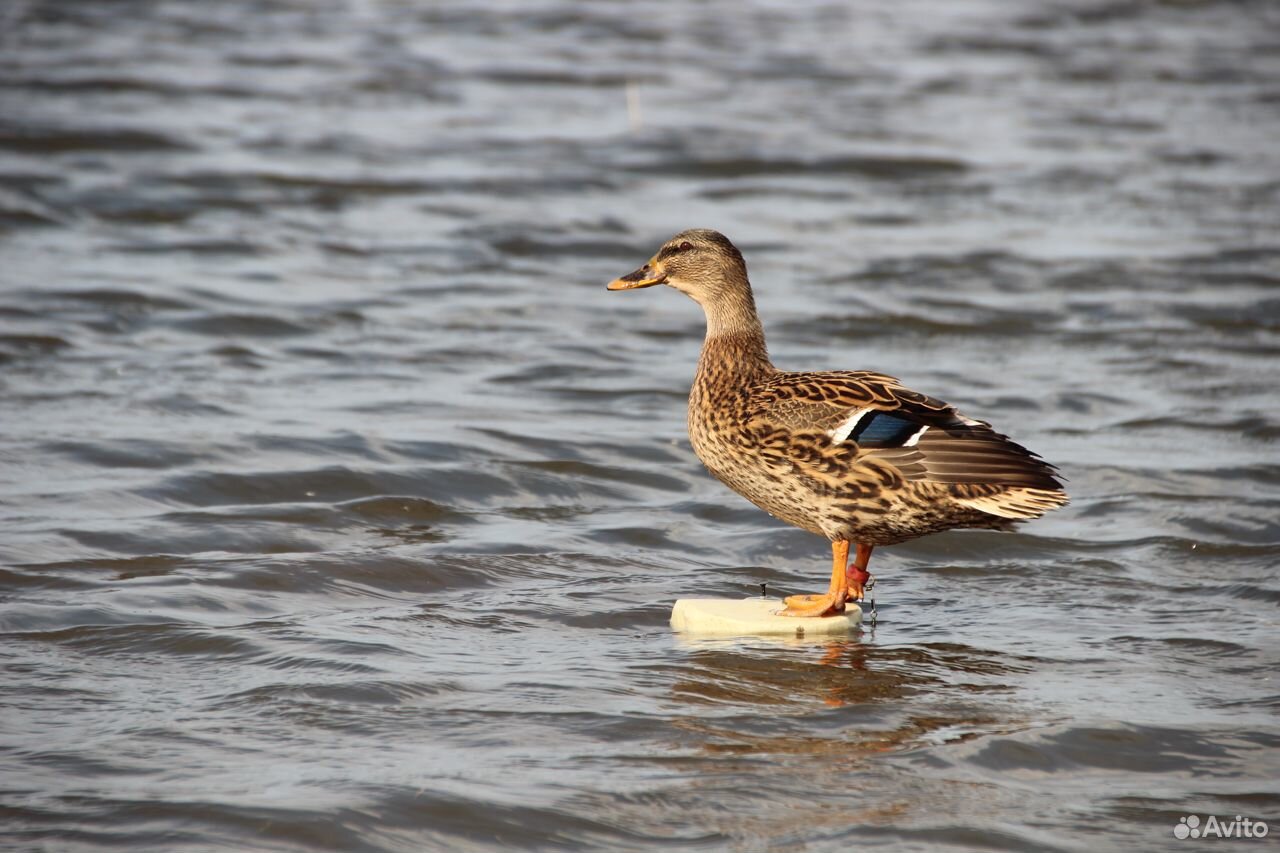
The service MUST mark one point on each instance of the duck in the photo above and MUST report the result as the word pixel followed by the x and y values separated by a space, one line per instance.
pixel 850 455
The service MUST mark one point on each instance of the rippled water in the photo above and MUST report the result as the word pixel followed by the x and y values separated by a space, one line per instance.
pixel 341 508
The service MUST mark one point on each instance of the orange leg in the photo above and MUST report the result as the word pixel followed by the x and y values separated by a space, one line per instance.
pixel 833 602
pixel 858 574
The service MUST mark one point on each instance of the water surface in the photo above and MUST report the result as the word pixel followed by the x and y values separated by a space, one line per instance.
pixel 341 508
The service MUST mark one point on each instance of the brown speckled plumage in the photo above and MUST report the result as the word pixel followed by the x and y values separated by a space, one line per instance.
pixel 850 455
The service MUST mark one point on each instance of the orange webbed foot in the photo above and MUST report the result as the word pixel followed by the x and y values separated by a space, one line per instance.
pixel 833 602
pixel 813 605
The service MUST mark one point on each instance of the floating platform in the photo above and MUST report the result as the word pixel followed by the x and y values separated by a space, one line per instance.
pixel 733 617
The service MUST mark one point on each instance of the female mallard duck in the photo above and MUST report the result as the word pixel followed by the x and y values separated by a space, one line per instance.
pixel 849 455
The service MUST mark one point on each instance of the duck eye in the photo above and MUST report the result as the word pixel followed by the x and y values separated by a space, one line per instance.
pixel 669 250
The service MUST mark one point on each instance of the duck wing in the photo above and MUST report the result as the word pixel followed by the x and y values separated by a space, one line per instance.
pixel 925 439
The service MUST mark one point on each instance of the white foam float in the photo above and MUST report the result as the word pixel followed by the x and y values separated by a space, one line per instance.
pixel 733 617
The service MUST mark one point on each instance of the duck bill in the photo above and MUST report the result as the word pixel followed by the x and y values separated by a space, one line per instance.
pixel 647 276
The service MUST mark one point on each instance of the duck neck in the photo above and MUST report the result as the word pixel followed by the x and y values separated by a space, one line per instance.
pixel 735 339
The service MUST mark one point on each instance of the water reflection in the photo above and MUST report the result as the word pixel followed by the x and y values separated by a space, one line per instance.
pixel 868 696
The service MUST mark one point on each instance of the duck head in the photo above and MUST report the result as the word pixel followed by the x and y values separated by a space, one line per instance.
pixel 700 263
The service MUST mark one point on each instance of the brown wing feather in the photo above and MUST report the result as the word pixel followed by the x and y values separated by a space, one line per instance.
pixel 978 454
pixel 954 450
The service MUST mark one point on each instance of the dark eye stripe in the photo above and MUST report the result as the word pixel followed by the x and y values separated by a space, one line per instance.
pixel 668 251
